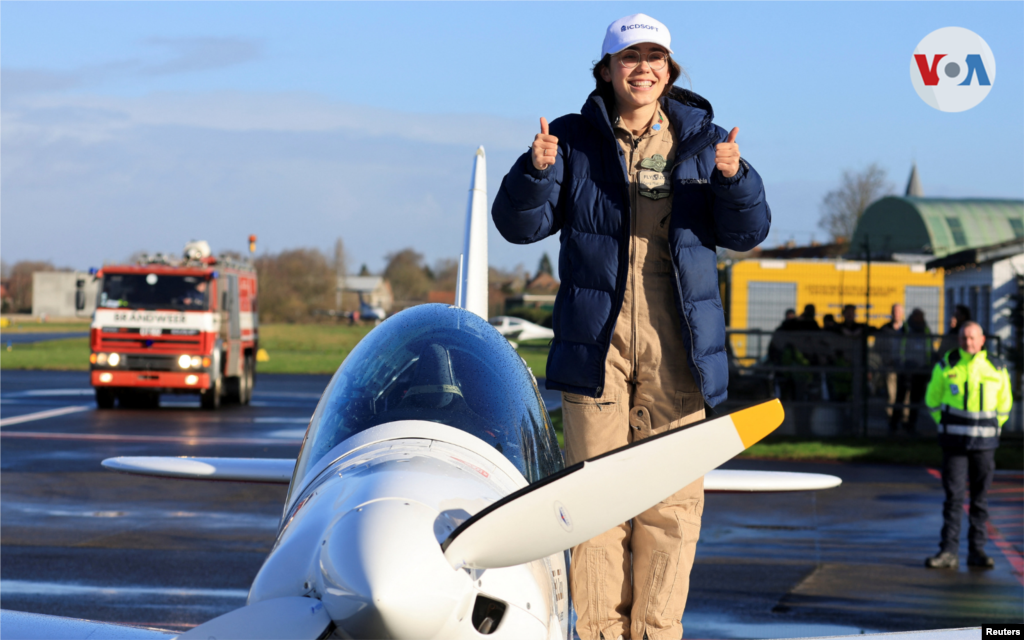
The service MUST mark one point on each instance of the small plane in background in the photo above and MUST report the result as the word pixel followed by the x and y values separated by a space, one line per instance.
pixel 519 329
pixel 429 498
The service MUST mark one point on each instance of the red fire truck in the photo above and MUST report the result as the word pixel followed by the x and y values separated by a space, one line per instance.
pixel 169 325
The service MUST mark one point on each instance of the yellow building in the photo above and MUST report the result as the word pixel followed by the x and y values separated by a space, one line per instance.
pixel 760 292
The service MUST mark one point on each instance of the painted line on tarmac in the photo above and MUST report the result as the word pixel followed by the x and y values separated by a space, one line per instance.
pixel 280 420
pixel 42 415
pixel 112 437
pixel 1012 555
pixel 46 392
pixel 28 587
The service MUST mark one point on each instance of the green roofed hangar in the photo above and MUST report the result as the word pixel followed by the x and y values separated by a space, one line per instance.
pixel 935 226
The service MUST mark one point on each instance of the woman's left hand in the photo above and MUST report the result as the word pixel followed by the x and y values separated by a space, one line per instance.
pixel 727 155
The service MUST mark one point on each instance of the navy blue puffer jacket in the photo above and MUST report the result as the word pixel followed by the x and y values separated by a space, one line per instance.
pixel 585 197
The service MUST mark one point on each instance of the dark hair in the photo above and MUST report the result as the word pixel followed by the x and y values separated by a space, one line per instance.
pixel 605 90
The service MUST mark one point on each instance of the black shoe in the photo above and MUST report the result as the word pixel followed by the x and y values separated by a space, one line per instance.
pixel 943 560
pixel 980 560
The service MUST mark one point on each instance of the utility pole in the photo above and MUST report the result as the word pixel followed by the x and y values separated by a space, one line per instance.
pixel 864 339
pixel 339 276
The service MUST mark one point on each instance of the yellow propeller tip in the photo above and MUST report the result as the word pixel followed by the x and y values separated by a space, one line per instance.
pixel 755 423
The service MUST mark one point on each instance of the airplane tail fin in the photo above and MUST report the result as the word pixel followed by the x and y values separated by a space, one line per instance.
pixel 471 291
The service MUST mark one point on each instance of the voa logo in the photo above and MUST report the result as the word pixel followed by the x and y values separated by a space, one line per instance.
pixel 952 69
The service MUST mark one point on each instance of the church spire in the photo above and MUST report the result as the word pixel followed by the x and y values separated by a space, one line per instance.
pixel 914 183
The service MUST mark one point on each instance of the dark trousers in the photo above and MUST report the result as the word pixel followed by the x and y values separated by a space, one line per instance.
pixel 914 385
pixel 960 468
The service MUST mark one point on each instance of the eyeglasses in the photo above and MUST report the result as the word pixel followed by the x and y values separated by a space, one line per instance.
pixel 656 60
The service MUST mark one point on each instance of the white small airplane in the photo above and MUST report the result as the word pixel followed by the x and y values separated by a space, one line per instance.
pixel 429 498
pixel 519 329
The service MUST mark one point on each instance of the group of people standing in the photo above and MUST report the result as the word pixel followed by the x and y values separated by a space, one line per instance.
pixel 967 394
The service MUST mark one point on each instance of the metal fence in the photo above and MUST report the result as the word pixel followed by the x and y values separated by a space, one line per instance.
pixel 833 385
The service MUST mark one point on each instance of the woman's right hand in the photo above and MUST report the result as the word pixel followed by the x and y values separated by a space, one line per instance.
pixel 544 147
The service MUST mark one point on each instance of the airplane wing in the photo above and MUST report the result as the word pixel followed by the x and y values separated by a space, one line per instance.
pixel 728 480
pixel 593 496
pixel 279 471
pixel 18 625
pixel 270 470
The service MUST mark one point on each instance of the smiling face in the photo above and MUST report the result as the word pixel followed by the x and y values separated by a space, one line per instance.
pixel 638 87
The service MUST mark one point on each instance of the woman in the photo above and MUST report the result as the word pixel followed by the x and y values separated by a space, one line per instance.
pixel 642 187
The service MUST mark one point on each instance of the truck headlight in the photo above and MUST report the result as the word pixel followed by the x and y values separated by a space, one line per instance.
pixel 196 362
pixel 113 359
pixel 185 362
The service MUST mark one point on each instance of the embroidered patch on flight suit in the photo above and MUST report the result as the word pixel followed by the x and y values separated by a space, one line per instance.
pixel 654 184
pixel 656 162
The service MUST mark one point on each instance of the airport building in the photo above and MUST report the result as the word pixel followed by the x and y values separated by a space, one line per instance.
pixel 64 294
pixel 988 281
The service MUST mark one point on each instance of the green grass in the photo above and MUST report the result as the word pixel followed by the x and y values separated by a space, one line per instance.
pixel 307 348
pixel 293 348
pixel 1010 455
pixel 64 355
pixel 45 327
pixel 535 352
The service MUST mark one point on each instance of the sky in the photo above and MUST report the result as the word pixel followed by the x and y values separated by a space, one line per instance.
pixel 138 126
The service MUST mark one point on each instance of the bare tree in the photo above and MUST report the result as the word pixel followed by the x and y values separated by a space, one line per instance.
pixel 409 279
pixel 842 207
pixel 19 284
pixel 294 284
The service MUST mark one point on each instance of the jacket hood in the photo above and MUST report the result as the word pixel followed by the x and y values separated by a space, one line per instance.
pixel 691 116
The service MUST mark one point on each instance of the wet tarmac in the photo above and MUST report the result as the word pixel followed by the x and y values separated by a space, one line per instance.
pixel 79 541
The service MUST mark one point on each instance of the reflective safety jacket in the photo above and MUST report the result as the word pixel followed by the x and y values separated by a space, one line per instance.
pixel 969 399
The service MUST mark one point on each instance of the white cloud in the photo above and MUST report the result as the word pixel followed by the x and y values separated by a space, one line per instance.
pixel 201 54
pixel 88 178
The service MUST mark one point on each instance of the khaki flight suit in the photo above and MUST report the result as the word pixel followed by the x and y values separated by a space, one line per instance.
pixel 633 580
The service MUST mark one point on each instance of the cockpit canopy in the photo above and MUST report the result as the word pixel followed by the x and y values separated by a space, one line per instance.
pixel 440 364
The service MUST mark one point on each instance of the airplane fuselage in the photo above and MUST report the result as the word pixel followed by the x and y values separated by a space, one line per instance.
pixel 363 534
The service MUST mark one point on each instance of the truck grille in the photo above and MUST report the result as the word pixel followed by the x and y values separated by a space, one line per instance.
pixel 140 362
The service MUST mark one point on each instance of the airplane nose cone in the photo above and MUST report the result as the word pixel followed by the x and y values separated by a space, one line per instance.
pixel 383 574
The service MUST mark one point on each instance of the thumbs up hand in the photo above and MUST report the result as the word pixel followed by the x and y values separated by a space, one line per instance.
pixel 727 155
pixel 544 147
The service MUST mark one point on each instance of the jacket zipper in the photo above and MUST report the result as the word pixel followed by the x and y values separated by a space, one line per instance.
pixel 634 205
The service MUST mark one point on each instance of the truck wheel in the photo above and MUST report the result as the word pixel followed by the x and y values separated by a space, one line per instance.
pixel 210 398
pixel 105 398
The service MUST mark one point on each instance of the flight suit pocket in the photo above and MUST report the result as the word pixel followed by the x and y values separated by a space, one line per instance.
pixel 689 407
pixel 586 404
pixel 690 510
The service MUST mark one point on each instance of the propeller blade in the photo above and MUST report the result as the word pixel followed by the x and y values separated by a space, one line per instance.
pixel 593 496
pixel 275 619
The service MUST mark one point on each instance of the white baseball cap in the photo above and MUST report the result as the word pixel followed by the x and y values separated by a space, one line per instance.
pixel 634 29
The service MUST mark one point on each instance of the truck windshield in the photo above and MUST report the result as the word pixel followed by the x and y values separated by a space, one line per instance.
pixel 152 291
pixel 438 364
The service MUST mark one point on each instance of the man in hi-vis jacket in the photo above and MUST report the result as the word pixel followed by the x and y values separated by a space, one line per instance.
pixel 969 398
